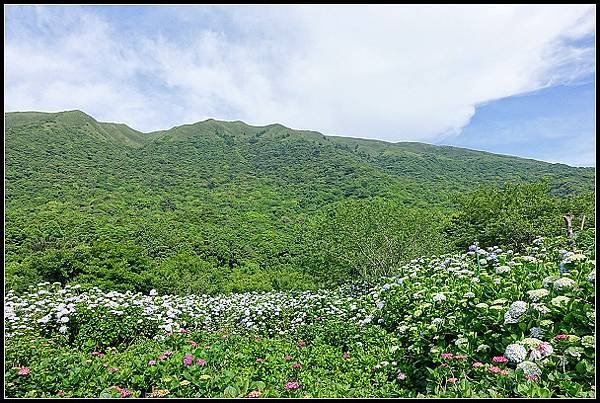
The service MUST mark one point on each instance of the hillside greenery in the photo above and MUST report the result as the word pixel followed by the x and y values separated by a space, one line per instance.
pixel 228 207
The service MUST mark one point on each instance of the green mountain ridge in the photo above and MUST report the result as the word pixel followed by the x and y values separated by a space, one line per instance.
pixel 130 136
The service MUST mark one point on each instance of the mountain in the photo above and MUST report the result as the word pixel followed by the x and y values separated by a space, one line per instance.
pixel 104 202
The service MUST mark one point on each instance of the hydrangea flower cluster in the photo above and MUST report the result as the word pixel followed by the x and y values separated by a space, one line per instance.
pixel 438 297
pixel 564 283
pixel 515 353
pixel 502 269
pixel 529 368
pixel 588 341
pixel 515 311
pixel 560 300
pixel 538 294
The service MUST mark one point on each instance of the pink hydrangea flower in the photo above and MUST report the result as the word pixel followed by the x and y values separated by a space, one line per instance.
pixel 500 359
pixel 301 343
pixel 165 355
pixel 193 343
pixel 183 331
pixel 292 385
pixel 24 371
pixel 452 380
pixel 254 394
pixel 124 392
pixel 561 337
pixel 187 360
pixel 346 355
pixel 495 370
pixel 99 354
pixel 151 363
pixel 287 357
pixel 447 356
pixel 503 372
pixel 297 365
pixel 201 362
pixel 531 377
pixel 477 364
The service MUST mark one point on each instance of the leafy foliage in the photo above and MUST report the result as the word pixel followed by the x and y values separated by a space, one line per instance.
pixel 516 214
pixel 438 326
pixel 224 206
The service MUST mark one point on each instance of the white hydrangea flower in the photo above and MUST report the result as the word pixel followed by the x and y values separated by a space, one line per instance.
pixel 515 353
pixel 515 312
pixel 592 276
pixel 531 342
pixel 588 341
pixel 502 269
pixel 564 283
pixel 469 295
pixel 560 300
pixel 575 257
pixel 548 281
pixel 574 351
pixel 460 341
pixel 438 297
pixel 529 368
pixel 44 320
pixel 482 347
pixel 541 308
pixel 536 295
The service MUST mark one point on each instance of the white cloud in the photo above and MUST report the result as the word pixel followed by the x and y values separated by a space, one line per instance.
pixel 389 72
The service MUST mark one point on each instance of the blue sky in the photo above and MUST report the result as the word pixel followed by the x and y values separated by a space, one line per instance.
pixel 518 80
pixel 555 124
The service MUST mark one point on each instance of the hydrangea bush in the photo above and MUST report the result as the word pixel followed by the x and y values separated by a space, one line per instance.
pixel 485 323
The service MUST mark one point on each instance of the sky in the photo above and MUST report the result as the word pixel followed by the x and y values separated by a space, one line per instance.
pixel 516 80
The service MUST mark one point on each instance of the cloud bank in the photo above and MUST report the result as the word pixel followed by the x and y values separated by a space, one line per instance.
pixel 397 73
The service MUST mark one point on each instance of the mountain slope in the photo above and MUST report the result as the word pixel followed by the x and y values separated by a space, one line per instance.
pixel 192 204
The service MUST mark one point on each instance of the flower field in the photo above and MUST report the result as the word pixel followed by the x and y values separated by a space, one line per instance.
pixel 485 323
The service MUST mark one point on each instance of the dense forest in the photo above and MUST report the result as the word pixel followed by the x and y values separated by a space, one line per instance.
pixel 224 206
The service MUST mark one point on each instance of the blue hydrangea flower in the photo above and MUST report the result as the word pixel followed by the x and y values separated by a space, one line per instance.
pixel 536 332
